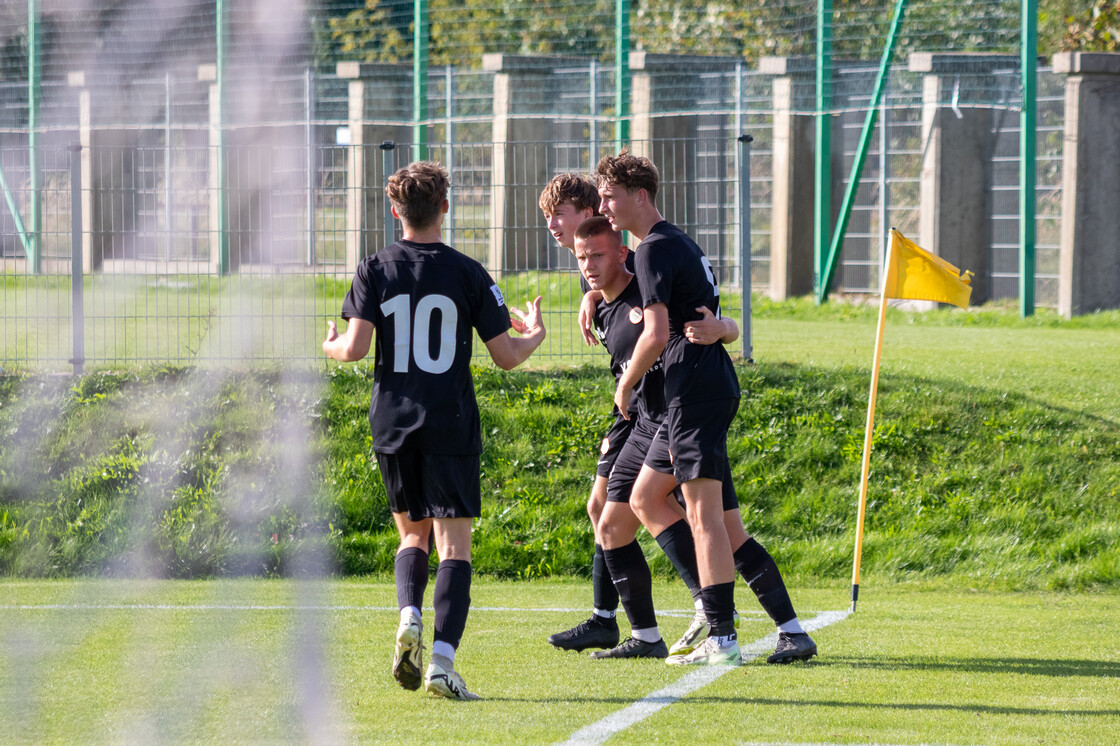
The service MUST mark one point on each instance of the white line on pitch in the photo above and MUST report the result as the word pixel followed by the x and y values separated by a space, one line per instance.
pixel 786 743
pixel 293 607
pixel 643 708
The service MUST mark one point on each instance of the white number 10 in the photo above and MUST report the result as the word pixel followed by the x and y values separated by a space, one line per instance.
pixel 415 341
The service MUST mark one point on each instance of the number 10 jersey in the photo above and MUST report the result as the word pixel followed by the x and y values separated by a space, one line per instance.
pixel 425 301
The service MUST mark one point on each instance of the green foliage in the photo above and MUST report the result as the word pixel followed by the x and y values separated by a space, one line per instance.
pixel 1095 30
pixel 462 32
pixel 367 35
pixel 988 476
pixel 165 472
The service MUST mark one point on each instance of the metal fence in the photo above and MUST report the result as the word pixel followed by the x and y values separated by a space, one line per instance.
pixel 184 260
pixel 155 294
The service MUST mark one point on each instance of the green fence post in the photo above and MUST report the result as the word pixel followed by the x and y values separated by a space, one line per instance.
pixel 13 208
pixel 34 71
pixel 822 181
pixel 621 73
pixel 420 34
pixel 861 153
pixel 1027 155
pixel 223 186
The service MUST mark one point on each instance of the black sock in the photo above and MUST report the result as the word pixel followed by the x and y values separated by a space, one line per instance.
pixel 452 600
pixel 678 545
pixel 762 575
pixel 719 605
pixel 411 571
pixel 605 594
pixel 632 578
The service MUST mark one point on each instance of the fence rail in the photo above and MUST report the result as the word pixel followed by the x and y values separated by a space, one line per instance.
pixel 179 267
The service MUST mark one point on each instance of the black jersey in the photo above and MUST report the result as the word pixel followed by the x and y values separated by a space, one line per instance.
pixel 423 300
pixel 672 269
pixel 618 325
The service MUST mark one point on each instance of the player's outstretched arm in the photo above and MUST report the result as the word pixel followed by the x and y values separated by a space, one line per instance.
pixel 351 346
pixel 708 330
pixel 586 313
pixel 508 351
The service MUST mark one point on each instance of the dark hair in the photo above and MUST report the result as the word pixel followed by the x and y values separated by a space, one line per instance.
pixel 629 171
pixel 418 191
pixel 597 226
pixel 571 187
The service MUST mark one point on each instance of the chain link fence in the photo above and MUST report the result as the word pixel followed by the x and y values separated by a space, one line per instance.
pixel 224 203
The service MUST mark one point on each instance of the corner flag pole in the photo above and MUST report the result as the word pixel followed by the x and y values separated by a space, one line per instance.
pixel 888 271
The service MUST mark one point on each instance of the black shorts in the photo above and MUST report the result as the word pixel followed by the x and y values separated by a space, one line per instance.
pixel 659 459
pixel 629 461
pixel 612 444
pixel 432 485
pixel 696 438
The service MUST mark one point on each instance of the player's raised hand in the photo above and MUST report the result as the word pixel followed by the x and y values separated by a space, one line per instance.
pixel 706 330
pixel 332 332
pixel 528 321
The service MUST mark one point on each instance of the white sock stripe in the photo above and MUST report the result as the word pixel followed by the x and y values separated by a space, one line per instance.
pixel 599 732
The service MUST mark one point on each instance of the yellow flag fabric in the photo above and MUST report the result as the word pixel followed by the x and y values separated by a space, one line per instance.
pixel 915 274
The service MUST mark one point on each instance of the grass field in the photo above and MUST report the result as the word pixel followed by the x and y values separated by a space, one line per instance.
pixel 252 661
pixel 996 471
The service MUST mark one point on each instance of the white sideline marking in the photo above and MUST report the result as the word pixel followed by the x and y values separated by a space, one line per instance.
pixel 599 732
pixel 784 743
pixel 684 613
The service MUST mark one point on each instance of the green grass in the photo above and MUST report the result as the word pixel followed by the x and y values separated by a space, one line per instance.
pixel 992 467
pixel 99 661
pixel 221 321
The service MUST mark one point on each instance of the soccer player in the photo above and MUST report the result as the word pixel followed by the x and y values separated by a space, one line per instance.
pixel 617 321
pixel 423 298
pixel 566 202
pixel 701 390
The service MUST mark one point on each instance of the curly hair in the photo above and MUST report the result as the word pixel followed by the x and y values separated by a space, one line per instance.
pixel 418 191
pixel 629 171
pixel 571 187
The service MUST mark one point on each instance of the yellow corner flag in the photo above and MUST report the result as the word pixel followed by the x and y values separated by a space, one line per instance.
pixel 915 274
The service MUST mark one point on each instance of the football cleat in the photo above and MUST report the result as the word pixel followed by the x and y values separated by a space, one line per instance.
pixel 596 632
pixel 796 646
pixel 709 653
pixel 697 631
pixel 442 682
pixel 631 648
pixel 407 661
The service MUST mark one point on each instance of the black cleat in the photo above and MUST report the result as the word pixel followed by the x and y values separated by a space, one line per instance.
pixel 631 648
pixel 797 646
pixel 596 632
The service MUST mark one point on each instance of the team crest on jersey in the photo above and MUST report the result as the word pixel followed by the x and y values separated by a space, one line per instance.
pixel 497 295
pixel 605 446
pixel 635 315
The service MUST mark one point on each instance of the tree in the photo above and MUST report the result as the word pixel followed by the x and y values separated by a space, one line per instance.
pixel 1098 30
pixel 367 35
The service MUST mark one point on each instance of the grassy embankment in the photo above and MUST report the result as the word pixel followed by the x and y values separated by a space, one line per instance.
pixel 996 460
